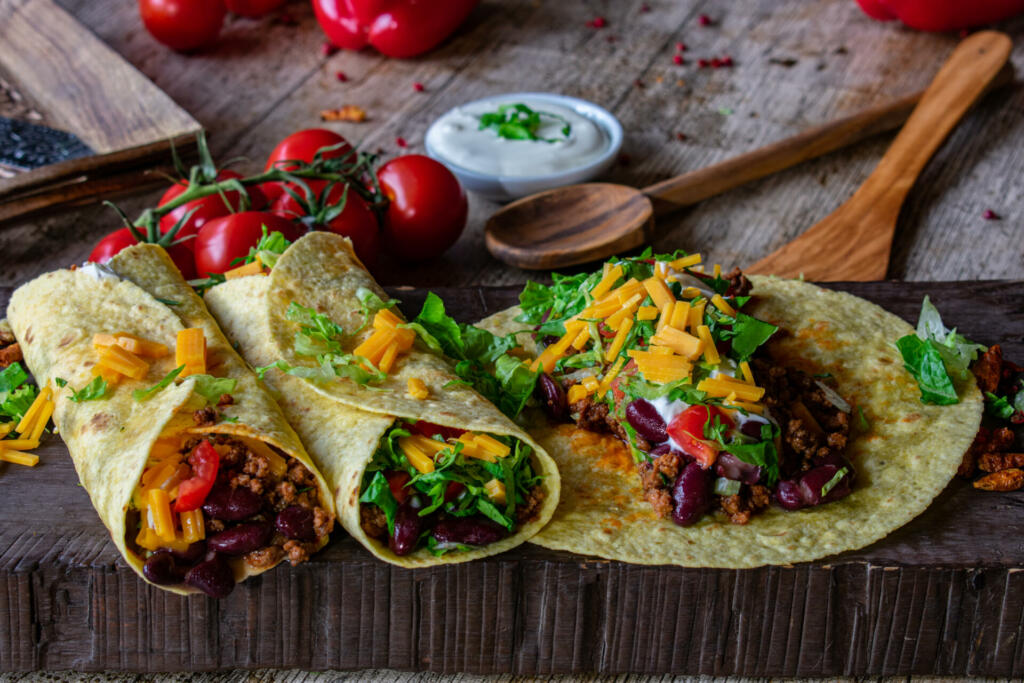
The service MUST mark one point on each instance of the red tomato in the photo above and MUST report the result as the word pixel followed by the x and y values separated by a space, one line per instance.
pixel 212 206
pixel 453 491
pixel 688 431
pixel 224 239
pixel 253 8
pixel 397 479
pixel 356 221
pixel 123 238
pixel 183 24
pixel 303 146
pixel 192 492
pixel 429 429
pixel 428 208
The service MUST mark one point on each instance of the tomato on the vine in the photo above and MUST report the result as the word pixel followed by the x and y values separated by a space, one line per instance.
pixel 123 238
pixel 427 209
pixel 253 8
pixel 224 239
pixel 303 146
pixel 205 209
pixel 356 221
pixel 183 24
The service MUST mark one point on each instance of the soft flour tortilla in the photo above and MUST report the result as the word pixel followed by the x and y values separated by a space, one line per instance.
pixel 55 316
pixel 906 459
pixel 340 422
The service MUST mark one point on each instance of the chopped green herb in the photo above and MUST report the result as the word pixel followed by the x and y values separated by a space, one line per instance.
pixel 168 302
pixel 834 481
pixel 143 394
pixel 520 122
pixel 727 487
pixel 94 390
pixel 212 388
pixel 60 382
pixel 267 250
pixel 862 421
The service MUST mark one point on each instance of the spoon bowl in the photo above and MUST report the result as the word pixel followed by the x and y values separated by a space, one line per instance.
pixel 570 225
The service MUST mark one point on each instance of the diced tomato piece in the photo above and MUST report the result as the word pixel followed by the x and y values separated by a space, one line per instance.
pixel 687 429
pixel 429 429
pixel 397 479
pixel 192 492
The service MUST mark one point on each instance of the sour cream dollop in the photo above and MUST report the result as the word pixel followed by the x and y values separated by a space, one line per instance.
pixel 457 138
pixel 98 271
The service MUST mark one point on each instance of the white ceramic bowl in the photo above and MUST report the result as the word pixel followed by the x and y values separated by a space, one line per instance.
pixel 504 188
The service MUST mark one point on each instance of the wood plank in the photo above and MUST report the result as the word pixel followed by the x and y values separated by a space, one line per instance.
pixel 942 596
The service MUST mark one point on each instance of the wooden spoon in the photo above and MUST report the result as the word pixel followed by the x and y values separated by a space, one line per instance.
pixel 580 223
pixel 853 242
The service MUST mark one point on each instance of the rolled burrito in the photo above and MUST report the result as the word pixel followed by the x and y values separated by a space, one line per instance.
pixel 187 459
pixel 424 469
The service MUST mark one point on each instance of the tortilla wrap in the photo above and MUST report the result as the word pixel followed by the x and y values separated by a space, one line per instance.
pixel 55 316
pixel 340 422
pixel 906 458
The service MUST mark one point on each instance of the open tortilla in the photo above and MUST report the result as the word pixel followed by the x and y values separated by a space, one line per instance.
pixel 341 422
pixel 55 316
pixel 906 458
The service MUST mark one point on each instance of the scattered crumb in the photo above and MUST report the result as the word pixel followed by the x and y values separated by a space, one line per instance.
pixel 349 112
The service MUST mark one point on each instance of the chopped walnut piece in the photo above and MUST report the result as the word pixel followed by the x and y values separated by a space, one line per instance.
pixel 349 112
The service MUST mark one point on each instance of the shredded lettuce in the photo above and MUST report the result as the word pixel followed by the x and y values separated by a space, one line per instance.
pixel 15 394
pixel 93 391
pixel 369 304
pixel 936 354
pixel 481 358
pixel 212 388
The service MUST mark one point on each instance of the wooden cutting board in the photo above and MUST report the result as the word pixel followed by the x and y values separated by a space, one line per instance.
pixel 64 76
pixel 942 596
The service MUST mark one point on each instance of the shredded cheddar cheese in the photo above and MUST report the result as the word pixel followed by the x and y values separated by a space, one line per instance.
pixel 251 268
pixel 26 459
pixel 417 389
pixel 190 351
pixel 495 491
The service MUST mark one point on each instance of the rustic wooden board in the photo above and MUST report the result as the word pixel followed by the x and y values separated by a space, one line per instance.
pixel 83 87
pixel 944 595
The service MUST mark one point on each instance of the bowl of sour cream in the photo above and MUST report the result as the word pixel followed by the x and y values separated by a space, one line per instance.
pixel 508 146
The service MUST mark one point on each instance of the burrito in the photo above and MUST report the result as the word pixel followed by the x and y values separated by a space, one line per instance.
pixel 717 422
pixel 187 459
pixel 424 470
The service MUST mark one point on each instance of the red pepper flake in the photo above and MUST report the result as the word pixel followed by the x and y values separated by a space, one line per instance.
pixel 681 137
pixel 715 62
pixel 645 8
pixel 597 22
pixel 678 59
pixel 638 83
pixel 703 63
pixel 991 215
pixel 328 48
pixel 705 20
pixel 727 61
pixel 400 141
pixel 611 39
pixel 417 86
pixel 340 75
pixel 680 47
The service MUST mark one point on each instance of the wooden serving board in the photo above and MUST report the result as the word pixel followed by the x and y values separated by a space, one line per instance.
pixel 944 595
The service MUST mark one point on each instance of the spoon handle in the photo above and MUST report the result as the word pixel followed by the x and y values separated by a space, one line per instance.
pixel 695 186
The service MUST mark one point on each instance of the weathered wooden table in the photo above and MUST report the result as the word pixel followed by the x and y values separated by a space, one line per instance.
pixel 797 63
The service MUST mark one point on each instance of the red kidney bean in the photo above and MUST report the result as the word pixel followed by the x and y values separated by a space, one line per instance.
pixel 408 525
pixel 814 479
pixel 191 554
pixel 729 466
pixel 787 494
pixel 752 428
pixel 691 495
pixel 296 522
pixel 232 505
pixel 161 569
pixel 242 539
pixel 213 577
pixel 644 418
pixel 468 531
pixel 553 398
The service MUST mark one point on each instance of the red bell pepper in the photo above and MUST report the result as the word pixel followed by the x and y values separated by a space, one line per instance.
pixel 942 15
pixel 193 491
pixel 397 28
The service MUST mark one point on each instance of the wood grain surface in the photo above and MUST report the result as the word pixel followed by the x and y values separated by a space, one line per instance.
pixel 798 63
pixel 943 595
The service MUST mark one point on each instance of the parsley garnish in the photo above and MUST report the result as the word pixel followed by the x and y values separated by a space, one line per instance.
pixel 94 390
pixel 143 394
pixel 267 250
pixel 168 302
pixel 519 122
pixel 15 394
pixel 60 382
